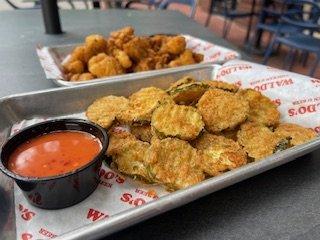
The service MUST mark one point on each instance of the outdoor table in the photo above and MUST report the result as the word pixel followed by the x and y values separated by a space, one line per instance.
pixel 282 203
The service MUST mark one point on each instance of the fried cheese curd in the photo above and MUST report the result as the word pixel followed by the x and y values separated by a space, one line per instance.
pixel 178 145
pixel 124 52
pixel 222 110
pixel 171 120
pixel 262 109
pixel 142 104
pixel 174 163
pixel 104 111
pixel 221 153
pixel 297 134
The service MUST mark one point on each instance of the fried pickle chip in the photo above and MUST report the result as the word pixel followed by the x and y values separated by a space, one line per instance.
pixel 296 133
pixel 103 111
pixel 174 163
pixel 222 110
pixel 142 132
pixel 221 153
pixel 171 120
pixel 182 81
pixel 189 93
pixel 142 104
pixel 129 154
pixel 231 134
pixel 259 141
pixel 262 109
pixel 103 65
pixel 222 85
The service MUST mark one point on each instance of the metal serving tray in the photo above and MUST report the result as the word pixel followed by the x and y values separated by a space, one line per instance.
pixel 54 103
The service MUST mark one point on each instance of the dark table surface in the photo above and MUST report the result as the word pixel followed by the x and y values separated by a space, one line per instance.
pixel 283 203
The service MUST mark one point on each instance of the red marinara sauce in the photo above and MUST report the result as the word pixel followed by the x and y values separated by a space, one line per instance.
pixel 54 153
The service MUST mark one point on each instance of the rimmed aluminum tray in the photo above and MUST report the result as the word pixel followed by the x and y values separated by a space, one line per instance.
pixel 58 102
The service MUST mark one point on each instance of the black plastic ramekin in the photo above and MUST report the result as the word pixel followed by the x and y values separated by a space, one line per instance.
pixel 62 190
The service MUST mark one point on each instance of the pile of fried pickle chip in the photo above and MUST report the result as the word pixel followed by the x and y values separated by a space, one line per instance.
pixel 191 131
pixel 124 52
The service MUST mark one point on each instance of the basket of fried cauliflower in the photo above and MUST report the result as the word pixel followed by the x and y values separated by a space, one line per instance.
pixel 191 131
pixel 124 52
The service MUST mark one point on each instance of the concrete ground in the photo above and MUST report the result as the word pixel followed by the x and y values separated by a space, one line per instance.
pixel 236 35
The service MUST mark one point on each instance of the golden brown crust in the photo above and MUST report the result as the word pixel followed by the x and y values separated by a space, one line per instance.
pixel 185 58
pixel 103 65
pixel 222 110
pixel 171 120
pixel 221 154
pixel 188 93
pixel 258 140
pixel 222 85
pixel 81 77
pixel 142 132
pixel 142 104
pixel 103 111
pixel 174 163
pixel 129 154
pixel 182 81
pixel 296 133
pixel 262 109
pixel 74 67
pixel 174 45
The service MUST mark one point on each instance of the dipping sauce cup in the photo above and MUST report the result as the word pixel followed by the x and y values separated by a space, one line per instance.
pixel 64 190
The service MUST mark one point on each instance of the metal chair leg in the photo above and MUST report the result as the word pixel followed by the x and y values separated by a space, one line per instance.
pixel 294 55
pixel 226 27
pixel 314 68
pixel 269 51
pixel 288 59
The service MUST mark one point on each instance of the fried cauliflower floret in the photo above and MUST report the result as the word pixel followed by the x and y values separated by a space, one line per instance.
pixel 78 54
pixel 171 120
pixel 137 48
pixel 262 109
pixel 222 85
pixel 103 65
pixel 185 58
pixel 145 64
pixel 198 57
pixel 222 110
pixel 259 141
pixel 221 153
pixel 188 93
pixel 296 133
pixel 129 154
pixel 74 67
pixel 122 58
pixel 157 41
pixel 95 44
pixel 82 77
pixel 103 111
pixel 142 104
pixel 174 45
pixel 174 163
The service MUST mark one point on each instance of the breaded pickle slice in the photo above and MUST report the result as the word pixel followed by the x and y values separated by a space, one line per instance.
pixel 103 111
pixel 129 154
pixel 222 110
pixel 262 109
pixel 172 120
pixel 296 133
pixel 182 81
pixel 221 153
pixel 142 104
pixel 174 163
pixel 222 85
pixel 142 132
pixel 188 94
pixel 259 141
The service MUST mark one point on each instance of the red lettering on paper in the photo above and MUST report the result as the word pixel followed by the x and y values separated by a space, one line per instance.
pixel 151 193
pixel 224 71
pixel 317 129
pixel 95 215
pixel 127 198
pixel 47 233
pixel 26 214
pixel 106 184
pixel 109 175
pixel 277 101
pixel 303 110
pixel 26 236
pixel 275 84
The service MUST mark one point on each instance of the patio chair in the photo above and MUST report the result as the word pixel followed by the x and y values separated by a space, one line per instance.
pixel 192 3
pixel 306 23
pixel 227 9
